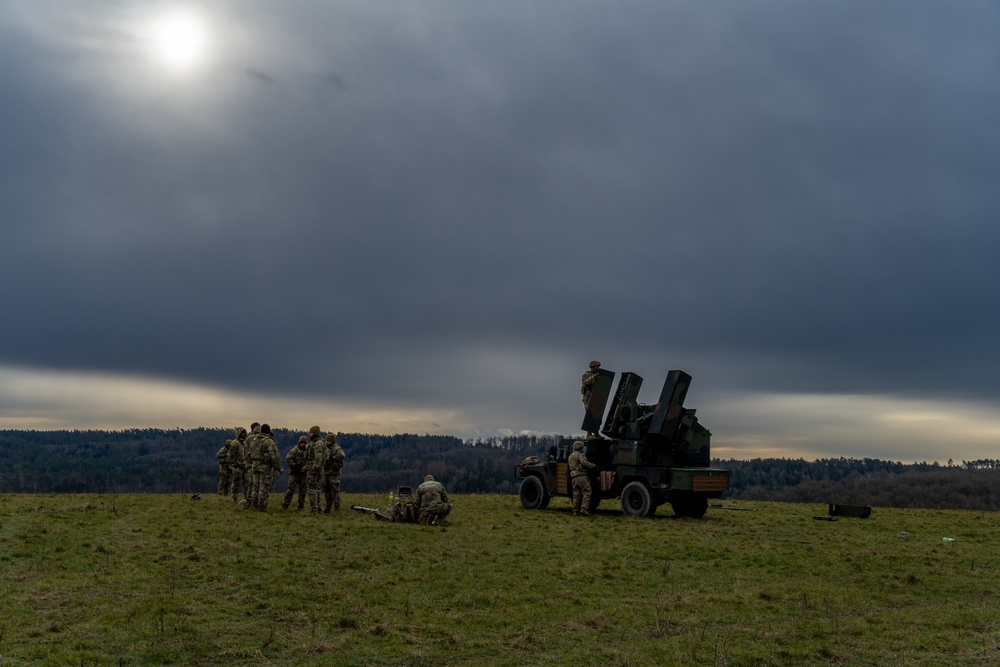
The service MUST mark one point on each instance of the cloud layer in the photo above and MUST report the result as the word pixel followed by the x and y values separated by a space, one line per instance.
pixel 448 209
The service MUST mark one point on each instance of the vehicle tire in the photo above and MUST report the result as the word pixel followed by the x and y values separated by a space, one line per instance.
pixel 690 506
pixel 637 500
pixel 534 495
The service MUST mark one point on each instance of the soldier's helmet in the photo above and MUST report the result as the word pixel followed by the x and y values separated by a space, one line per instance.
pixel 595 364
pixel 578 445
pixel 314 430
pixel 428 478
pixel 228 442
pixel 303 439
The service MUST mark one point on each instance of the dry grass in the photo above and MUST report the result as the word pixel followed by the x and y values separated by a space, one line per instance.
pixel 149 580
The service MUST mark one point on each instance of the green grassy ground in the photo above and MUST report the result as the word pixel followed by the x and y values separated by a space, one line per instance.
pixel 165 580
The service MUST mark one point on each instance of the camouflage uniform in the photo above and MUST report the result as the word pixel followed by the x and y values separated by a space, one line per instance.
pixel 587 383
pixel 331 478
pixel 316 454
pixel 239 464
pixel 433 501
pixel 264 461
pixel 222 456
pixel 295 458
pixel 578 467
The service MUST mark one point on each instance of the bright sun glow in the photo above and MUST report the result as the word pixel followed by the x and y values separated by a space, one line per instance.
pixel 181 39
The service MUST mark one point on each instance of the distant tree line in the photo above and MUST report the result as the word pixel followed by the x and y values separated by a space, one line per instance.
pixel 378 463
pixel 183 461
pixel 966 485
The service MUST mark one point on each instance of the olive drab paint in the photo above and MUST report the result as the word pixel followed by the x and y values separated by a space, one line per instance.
pixel 646 455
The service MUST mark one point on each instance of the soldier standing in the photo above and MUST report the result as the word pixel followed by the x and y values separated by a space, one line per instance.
pixel 222 456
pixel 295 458
pixel 315 458
pixel 331 478
pixel 239 464
pixel 432 500
pixel 578 467
pixel 251 488
pixel 587 388
pixel 264 461
pixel 589 378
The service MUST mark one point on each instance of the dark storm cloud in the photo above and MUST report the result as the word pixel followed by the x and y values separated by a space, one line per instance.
pixel 789 197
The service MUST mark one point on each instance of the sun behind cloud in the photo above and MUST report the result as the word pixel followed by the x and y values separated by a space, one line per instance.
pixel 180 39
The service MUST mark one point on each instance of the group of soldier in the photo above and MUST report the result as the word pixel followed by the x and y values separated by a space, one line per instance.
pixel 251 461
pixel 314 463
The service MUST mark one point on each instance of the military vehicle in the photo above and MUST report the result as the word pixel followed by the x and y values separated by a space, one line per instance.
pixel 649 455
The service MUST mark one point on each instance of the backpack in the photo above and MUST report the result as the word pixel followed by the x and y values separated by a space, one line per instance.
pixel 256 446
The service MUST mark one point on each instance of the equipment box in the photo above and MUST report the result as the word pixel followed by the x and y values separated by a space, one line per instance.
pixel 606 480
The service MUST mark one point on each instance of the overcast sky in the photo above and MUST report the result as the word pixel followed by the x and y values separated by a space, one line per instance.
pixel 430 216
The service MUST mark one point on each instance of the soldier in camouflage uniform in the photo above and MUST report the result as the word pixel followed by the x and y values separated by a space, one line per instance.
pixel 578 467
pixel 331 479
pixel 264 462
pixel 247 503
pixel 432 500
pixel 295 458
pixel 587 389
pixel 315 459
pixel 587 383
pixel 222 456
pixel 239 464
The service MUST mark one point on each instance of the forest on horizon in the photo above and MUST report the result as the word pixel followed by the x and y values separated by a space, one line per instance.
pixel 183 461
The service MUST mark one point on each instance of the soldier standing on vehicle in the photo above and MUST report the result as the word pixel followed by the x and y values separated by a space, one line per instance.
pixel 239 464
pixel 222 456
pixel 587 388
pixel 432 500
pixel 314 459
pixel 589 378
pixel 331 478
pixel 264 461
pixel 295 458
pixel 578 467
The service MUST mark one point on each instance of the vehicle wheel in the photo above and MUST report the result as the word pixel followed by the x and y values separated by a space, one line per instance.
pixel 690 506
pixel 636 500
pixel 534 496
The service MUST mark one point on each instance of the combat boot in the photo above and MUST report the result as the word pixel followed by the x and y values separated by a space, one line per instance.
pixel 584 512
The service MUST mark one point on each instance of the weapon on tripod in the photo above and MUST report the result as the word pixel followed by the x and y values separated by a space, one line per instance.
pixel 371 510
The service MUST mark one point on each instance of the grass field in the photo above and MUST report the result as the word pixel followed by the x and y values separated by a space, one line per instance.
pixel 166 580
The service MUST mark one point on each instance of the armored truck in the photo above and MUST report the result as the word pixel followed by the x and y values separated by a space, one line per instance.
pixel 646 455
